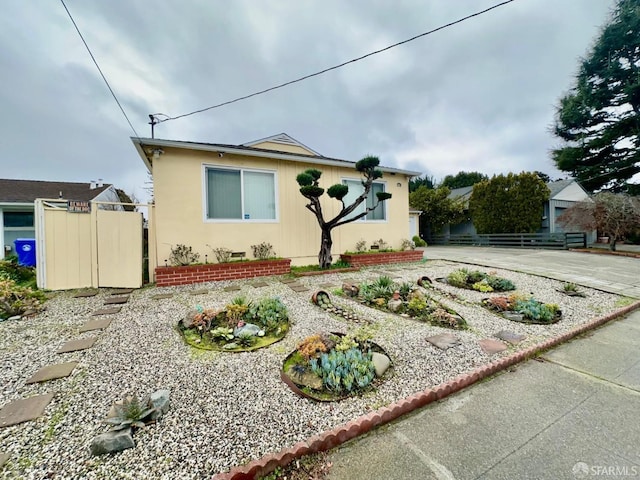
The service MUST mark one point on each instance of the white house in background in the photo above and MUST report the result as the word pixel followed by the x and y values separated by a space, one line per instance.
pixel 564 194
pixel 17 199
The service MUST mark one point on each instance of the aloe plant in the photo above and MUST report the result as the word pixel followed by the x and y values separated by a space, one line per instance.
pixel 132 413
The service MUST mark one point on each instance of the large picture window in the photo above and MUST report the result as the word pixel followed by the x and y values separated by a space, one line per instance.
pixel 355 190
pixel 240 194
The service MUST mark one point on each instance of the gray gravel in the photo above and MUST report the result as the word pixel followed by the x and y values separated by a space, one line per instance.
pixel 227 409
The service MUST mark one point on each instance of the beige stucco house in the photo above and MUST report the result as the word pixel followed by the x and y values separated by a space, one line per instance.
pixel 234 196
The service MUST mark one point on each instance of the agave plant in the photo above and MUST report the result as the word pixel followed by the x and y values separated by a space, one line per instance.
pixel 132 413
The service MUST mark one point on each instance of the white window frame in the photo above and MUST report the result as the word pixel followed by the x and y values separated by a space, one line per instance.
pixel 205 195
pixel 384 204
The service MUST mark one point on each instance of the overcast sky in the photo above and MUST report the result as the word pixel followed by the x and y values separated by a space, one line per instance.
pixel 477 96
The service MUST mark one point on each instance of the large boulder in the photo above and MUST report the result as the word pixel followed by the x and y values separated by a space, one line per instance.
pixel 112 441
pixel 380 362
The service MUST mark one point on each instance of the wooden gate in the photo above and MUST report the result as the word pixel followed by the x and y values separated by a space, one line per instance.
pixel 88 245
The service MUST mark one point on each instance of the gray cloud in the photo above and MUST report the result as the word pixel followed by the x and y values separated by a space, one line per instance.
pixel 477 96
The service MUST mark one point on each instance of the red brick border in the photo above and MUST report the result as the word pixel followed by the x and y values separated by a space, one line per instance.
pixel 361 425
pixel 605 252
pixel 381 258
pixel 169 276
pixel 329 271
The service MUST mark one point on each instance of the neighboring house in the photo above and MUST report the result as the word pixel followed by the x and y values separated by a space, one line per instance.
pixel 234 196
pixel 17 204
pixel 563 194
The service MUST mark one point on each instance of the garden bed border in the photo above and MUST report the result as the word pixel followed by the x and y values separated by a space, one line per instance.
pixel 210 272
pixel 361 425
pixel 381 258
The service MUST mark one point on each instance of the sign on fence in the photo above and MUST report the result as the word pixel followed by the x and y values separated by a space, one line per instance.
pixel 78 206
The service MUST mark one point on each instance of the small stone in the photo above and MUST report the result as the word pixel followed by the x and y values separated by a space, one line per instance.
pixel 113 441
pixel 444 341
pixel 513 316
pixel 187 321
pixel 380 362
pixel 490 346
pixel 307 379
pixel 350 290
pixel 15 317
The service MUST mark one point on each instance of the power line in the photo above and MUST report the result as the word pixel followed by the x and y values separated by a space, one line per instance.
pixel 336 66
pixel 99 69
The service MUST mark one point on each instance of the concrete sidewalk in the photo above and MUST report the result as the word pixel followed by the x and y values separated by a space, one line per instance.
pixel 615 274
pixel 573 413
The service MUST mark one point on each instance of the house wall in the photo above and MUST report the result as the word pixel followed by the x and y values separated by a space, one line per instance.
pixel 9 234
pixel 179 187
pixel 572 193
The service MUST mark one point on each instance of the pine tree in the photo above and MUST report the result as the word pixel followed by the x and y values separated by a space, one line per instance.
pixel 599 119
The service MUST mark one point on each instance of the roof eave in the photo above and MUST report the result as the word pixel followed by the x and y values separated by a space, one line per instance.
pixel 252 153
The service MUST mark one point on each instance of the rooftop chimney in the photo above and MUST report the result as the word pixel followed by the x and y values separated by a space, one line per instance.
pixel 100 184
pixel 92 185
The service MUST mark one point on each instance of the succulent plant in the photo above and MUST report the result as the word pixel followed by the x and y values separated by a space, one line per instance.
pixel 132 413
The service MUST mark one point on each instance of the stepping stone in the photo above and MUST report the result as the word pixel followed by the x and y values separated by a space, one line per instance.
pixel 444 341
pixel 3 459
pixel 259 284
pixel 511 337
pixel 116 300
pixel 51 372
pixel 79 344
pixel 95 325
pixel 86 293
pixel 232 288
pixel 298 288
pixel 200 292
pixel 161 296
pixel 122 291
pixel 491 347
pixel 106 311
pixel 288 280
pixel 24 409
pixel 327 285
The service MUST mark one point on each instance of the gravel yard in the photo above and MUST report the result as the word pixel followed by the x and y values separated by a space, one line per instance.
pixel 227 409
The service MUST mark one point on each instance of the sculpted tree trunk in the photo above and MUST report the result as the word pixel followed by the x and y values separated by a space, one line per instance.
pixel 310 189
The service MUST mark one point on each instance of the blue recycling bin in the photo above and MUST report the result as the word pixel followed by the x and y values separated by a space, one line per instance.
pixel 26 250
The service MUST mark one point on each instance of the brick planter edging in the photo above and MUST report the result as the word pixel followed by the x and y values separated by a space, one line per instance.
pixel 326 272
pixel 185 275
pixel 381 258
pixel 361 425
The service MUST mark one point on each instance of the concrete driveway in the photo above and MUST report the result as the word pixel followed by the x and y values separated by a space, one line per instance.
pixel 570 414
pixel 615 274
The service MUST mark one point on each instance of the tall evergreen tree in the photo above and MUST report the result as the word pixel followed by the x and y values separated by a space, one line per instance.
pixel 463 179
pixel 599 119
pixel 508 204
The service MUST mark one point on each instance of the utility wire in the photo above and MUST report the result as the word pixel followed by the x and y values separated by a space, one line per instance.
pixel 337 66
pixel 99 69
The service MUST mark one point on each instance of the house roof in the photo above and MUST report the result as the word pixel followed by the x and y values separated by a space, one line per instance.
pixel 283 139
pixel 26 191
pixel 556 187
pixel 147 146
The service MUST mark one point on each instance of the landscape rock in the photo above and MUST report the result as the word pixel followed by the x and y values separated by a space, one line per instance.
pixel 247 329
pixel 513 316
pixel 111 442
pixel 394 305
pixel 380 362
pixel 160 400
pixel 307 379
pixel 350 290
pixel 187 321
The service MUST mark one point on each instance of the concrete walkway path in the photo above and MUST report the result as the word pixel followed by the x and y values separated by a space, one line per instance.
pixel 615 274
pixel 573 413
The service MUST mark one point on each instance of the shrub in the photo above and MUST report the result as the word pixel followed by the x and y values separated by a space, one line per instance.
pixel 535 310
pixel 263 250
pixel 10 269
pixel 407 244
pixel 183 255
pixel 222 254
pixel 500 284
pixel 418 242
pixel 382 245
pixel 458 278
pixel 311 347
pixel 482 286
pixel 18 300
pixel 361 246
pixel 270 312
pixel 417 307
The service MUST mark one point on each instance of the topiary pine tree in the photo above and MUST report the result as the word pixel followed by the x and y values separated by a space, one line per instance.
pixel 599 119
pixel 311 190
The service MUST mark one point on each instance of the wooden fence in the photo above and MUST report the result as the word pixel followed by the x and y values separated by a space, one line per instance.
pixel 559 241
